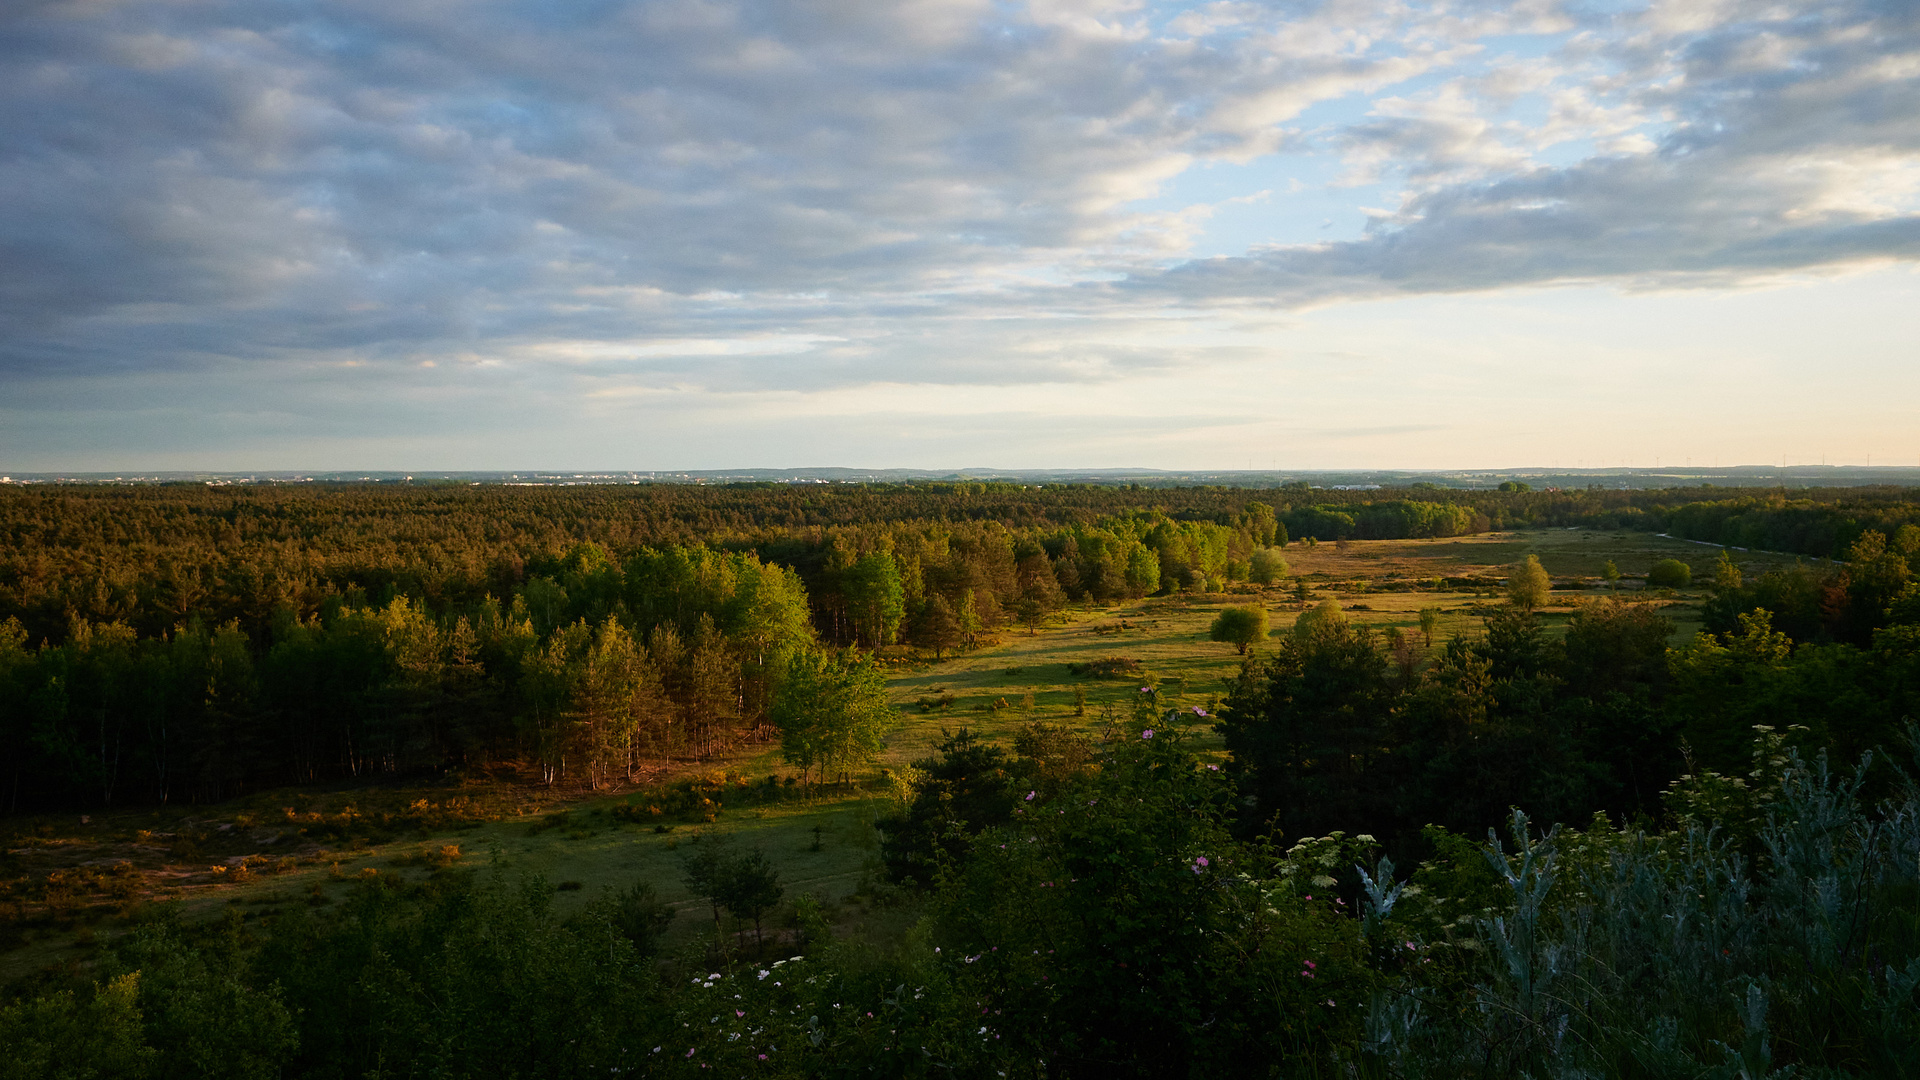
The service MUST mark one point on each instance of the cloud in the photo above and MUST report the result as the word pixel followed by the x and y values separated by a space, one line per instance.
pixel 1793 142
pixel 645 197
pixel 266 166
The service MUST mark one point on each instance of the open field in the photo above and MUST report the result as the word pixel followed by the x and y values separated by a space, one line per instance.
pixel 304 845
pixel 1568 554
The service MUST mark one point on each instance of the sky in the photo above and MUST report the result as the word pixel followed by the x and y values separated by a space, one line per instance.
pixel 710 234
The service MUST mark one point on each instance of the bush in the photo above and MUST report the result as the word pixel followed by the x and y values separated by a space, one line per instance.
pixel 1669 574
pixel 62 1036
pixel 421 980
pixel 969 787
pixel 1111 928
pixel 1240 627
pixel 206 1012
pixel 1267 566
pixel 1111 667
pixel 1117 930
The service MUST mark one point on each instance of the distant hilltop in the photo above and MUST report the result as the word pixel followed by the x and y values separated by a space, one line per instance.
pixel 1739 476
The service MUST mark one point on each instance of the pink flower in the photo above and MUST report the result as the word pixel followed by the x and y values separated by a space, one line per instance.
pixel 1198 711
pixel 1202 860
pixel 1213 768
pixel 1310 964
pixel 1030 796
pixel 1147 734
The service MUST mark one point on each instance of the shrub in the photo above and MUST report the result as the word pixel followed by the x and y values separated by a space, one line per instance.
pixel 1240 627
pixel 638 914
pixel 67 1035
pixel 1267 566
pixel 1669 574
pixel 1110 927
pixel 1111 667
pixel 418 980
pixel 969 787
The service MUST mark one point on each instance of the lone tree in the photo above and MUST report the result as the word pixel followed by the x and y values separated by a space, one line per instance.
pixel 1612 574
pixel 1326 618
pixel 749 886
pixel 1527 584
pixel 1429 624
pixel 744 884
pixel 705 871
pixel 640 916
pixel 1030 612
pixel 1240 626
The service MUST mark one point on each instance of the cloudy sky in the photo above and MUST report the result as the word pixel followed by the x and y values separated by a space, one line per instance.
pixel 240 234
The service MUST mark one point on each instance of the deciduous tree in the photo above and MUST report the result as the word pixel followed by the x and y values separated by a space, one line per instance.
pixel 831 711
pixel 1240 627
pixel 1528 584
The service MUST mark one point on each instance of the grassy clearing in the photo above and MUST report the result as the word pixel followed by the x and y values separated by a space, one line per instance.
pixel 67 883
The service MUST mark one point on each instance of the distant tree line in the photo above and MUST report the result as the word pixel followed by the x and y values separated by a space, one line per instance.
pixel 154 556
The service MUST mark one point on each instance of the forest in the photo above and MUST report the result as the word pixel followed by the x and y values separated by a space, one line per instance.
pixel 190 642
pixel 1566 844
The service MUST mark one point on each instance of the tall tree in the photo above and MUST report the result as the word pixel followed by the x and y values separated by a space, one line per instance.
pixel 938 628
pixel 875 598
pixel 831 712
pixel 1305 726
pixel 1143 571
pixel 1429 625
pixel 604 700
pixel 969 619
pixel 713 689
pixel 749 886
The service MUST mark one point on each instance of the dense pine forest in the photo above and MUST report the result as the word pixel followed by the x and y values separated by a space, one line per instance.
pixel 1580 850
